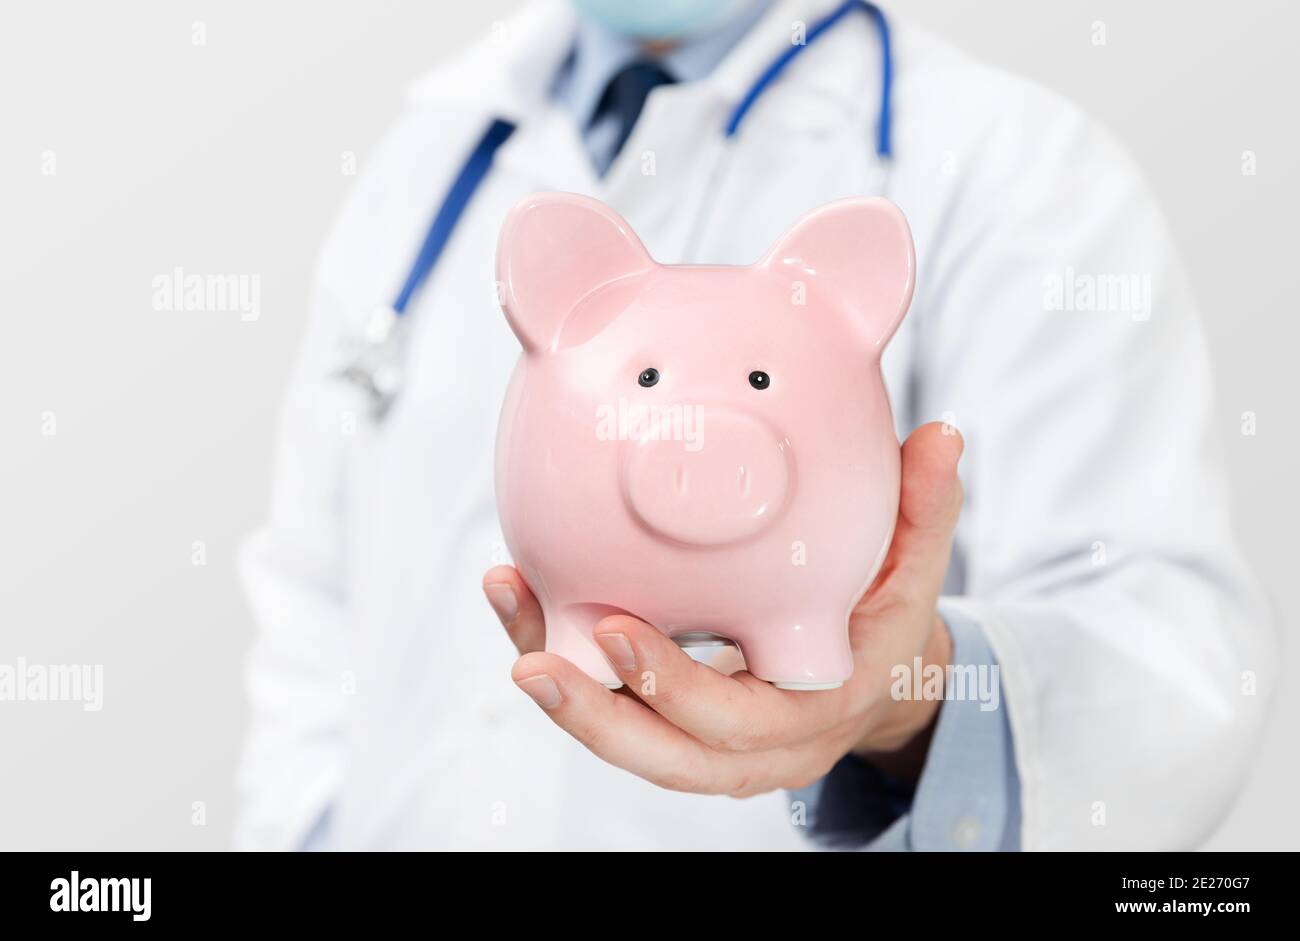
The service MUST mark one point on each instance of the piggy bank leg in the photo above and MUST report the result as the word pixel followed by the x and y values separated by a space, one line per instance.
pixel 800 654
pixel 568 635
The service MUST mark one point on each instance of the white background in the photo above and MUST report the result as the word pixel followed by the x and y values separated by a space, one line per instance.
pixel 229 156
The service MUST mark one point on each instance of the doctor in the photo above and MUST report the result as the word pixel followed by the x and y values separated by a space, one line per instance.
pixel 1091 564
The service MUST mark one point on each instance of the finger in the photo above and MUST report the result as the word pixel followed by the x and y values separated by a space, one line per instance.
pixel 737 713
pixel 928 508
pixel 623 732
pixel 516 606
pixel 726 660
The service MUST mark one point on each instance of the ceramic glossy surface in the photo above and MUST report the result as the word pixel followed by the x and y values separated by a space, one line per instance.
pixel 709 448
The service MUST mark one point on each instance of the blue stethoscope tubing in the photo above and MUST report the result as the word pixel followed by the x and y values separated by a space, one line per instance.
pixel 770 74
pixel 479 162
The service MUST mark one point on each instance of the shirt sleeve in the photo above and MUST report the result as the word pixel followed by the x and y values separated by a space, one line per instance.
pixel 968 795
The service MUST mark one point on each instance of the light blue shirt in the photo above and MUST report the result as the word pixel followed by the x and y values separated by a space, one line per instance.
pixel 968 795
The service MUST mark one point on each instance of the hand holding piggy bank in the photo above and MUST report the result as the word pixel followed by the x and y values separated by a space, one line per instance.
pixel 708 448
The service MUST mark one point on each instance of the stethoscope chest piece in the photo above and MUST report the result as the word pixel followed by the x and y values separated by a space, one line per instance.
pixel 372 360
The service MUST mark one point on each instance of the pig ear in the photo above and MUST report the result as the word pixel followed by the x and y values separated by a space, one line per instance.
pixel 554 250
pixel 859 250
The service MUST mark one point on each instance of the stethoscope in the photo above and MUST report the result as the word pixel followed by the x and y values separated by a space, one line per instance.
pixel 373 360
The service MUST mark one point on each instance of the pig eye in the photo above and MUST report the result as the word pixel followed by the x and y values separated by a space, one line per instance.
pixel 759 380
pixel 648 377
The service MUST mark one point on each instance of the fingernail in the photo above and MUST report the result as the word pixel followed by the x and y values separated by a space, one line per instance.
pixel 619 651
pixel 502 599
pixel 542 689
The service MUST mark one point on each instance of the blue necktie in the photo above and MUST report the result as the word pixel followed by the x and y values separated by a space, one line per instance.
pixel 625 96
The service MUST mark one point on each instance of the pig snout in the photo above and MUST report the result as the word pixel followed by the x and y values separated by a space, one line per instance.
pixel 724 484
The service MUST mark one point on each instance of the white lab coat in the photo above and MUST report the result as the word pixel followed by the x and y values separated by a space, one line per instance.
pixel 1094 547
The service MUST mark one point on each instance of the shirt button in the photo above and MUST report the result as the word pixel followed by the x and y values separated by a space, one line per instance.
pixel 966 832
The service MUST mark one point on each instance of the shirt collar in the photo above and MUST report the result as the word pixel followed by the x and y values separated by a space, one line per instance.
pixel 599 54
pixel 511 73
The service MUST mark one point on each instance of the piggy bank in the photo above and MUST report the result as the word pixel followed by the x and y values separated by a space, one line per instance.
pixel 709 448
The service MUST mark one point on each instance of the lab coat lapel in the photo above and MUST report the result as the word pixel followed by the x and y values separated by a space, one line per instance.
pixel 547 153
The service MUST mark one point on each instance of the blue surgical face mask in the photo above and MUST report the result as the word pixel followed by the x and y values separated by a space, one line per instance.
pixel 658 19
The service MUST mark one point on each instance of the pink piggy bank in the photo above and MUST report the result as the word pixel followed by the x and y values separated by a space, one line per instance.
pixel 709 448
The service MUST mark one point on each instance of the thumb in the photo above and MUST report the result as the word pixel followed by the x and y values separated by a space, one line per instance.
pixel 929 504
